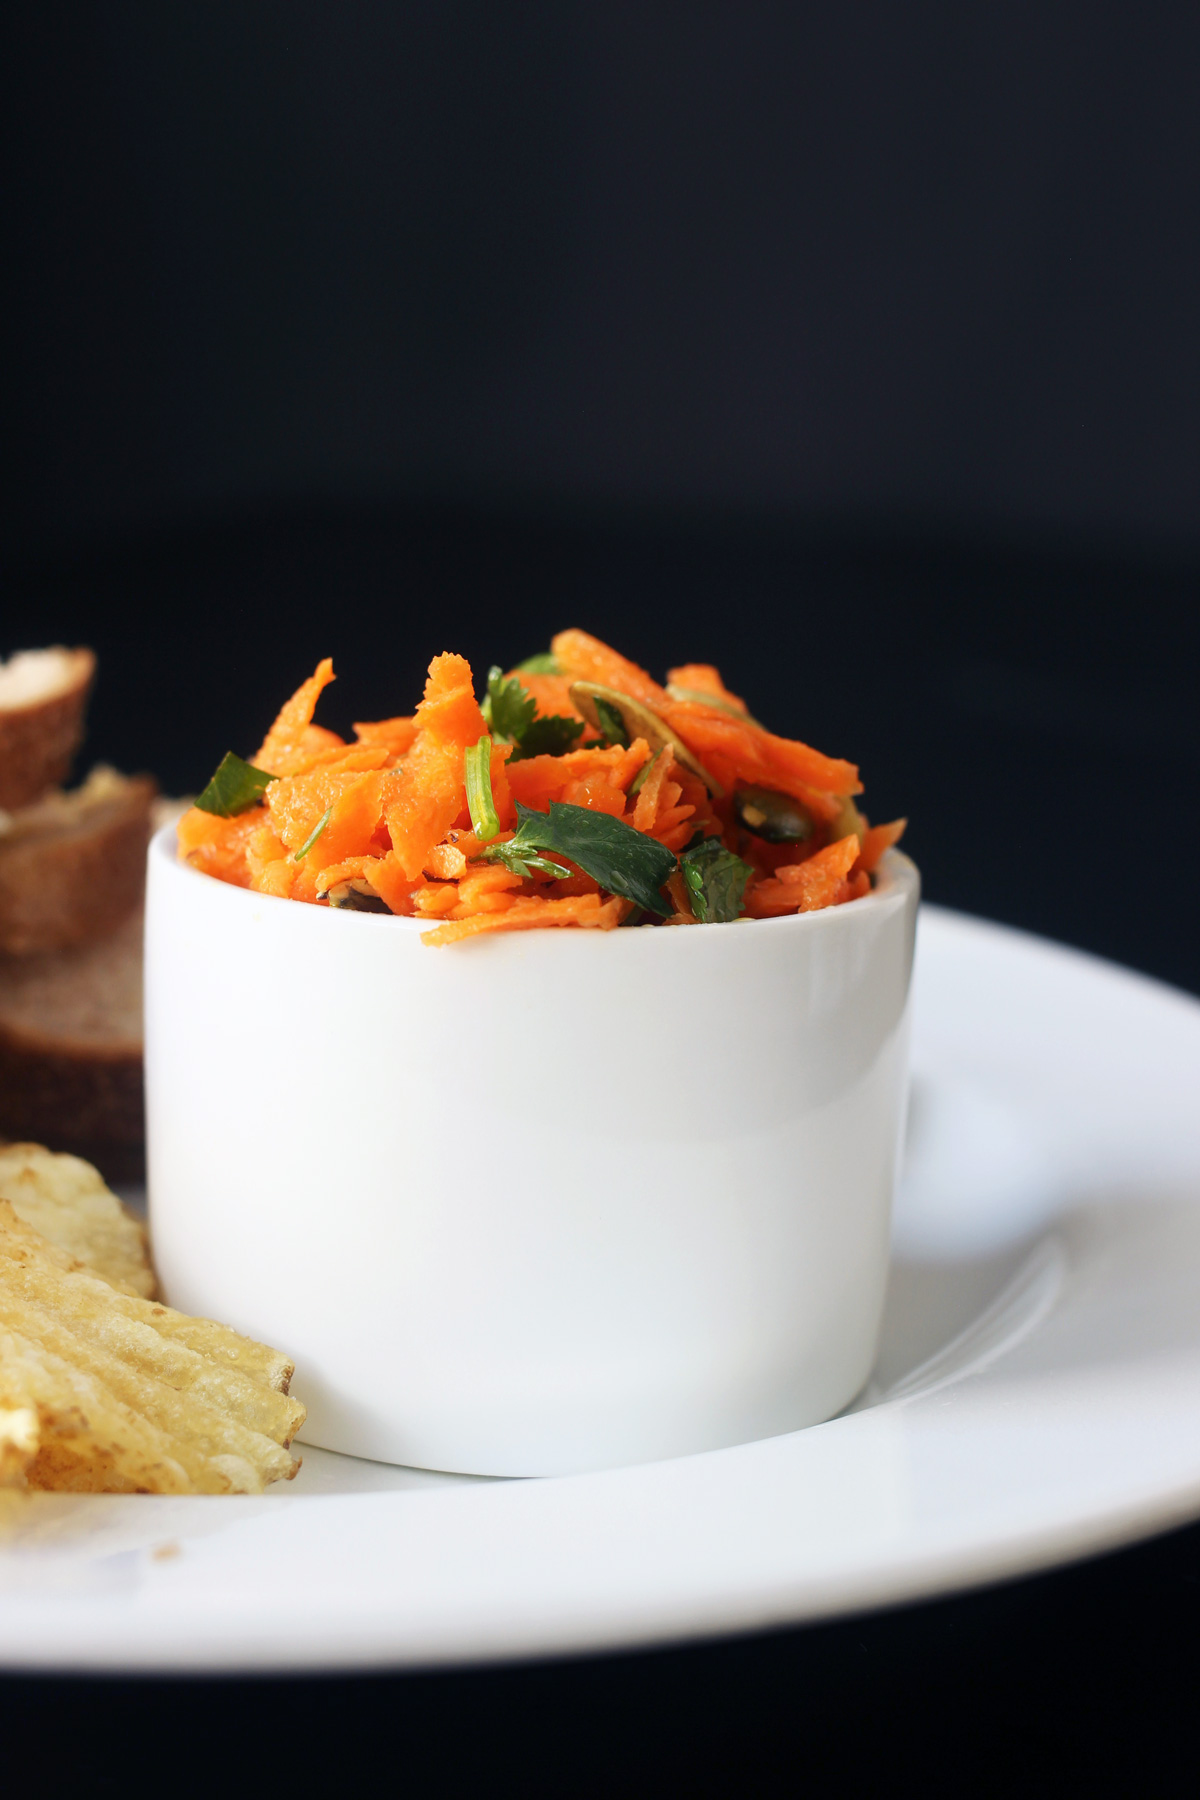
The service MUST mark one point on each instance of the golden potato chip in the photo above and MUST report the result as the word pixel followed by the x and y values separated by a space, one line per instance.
pixel 18 1442
pixel 123 1401
pixel 65 1199
pixel 87 1442
pixel 270 1368
pixel 18 1423
pixel 36 1296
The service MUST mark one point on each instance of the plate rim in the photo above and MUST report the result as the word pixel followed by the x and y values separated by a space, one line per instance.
pixel 34 1637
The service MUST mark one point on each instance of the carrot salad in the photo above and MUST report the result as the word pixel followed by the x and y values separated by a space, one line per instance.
pixel 576 791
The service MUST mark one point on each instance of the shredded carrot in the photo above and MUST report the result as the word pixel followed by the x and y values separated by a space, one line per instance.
pixel 646 805
pixel 597 793
pixel 395 735
pixel 539 779
pixel 448 861
pixel 482 903
pixel 293 737
pixel 389 810
pixel 758 756
pixel 298 805
pixel 702 678
pixel 806 886
pixel 272 870
pixel 218 846
pixel 584 658
pixel 876 840
pixel 263 848
pixel 353 868
pixel 435 897
pixel 550 692
pixel 345 759
pixel 426 794
pixel 488 878
pixel 525 915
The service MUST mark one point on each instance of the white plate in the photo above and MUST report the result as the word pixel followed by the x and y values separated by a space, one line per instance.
pixel 1037 1397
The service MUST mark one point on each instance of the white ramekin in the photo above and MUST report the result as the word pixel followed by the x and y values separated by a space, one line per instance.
pixel 539 1202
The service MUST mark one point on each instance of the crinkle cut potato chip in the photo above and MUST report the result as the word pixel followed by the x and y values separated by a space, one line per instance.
pixel 65 1200
pixel 18 1437
pixel 102 1391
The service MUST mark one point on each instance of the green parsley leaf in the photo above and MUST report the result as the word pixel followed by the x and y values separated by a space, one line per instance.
pixel 522 863
pixel 314 834
pixel 511 711
pixel 612 725
pixel 622 860
pixel 508 708
pixel 477 771
pixel 552 735
pixel 544 663
pixel 235 788
pixel 716 881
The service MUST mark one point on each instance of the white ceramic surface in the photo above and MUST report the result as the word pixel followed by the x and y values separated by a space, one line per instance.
pixel 1036 1398
pixel 538 1203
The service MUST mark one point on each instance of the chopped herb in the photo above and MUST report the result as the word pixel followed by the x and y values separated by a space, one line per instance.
pixel 612 725
pixel 716 881
pixel 552 735
pixel 314 834
pixel 522 863
pixel 477 769
pixel 511 711
pixel 508 707
pixel 544 663
pixel 622 860
pixel 639 780
pixel 235 788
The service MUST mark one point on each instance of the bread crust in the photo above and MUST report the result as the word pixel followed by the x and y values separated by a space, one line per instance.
pixel 71 1050
pixel 38 741
pixel 87 1100
pixel 75 884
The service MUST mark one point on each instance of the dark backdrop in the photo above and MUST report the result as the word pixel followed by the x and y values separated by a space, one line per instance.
pixel 850 346
pixel 932 263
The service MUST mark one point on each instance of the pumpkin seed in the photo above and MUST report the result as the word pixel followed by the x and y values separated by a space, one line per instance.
pixel 675 692
pixel 356 896
pixel 848 822
pixel 638 721
pixel 776 818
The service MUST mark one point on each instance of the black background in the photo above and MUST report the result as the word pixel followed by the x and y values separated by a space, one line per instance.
pixel 853 348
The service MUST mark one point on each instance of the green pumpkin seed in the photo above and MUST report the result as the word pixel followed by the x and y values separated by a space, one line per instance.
pixel 776 818
pixel 675 692
pixel 638 721
pixel 356 896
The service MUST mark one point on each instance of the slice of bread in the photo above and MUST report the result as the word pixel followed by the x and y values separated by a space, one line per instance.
pixel 72 866
pixel 71 1050
pixel 43 695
